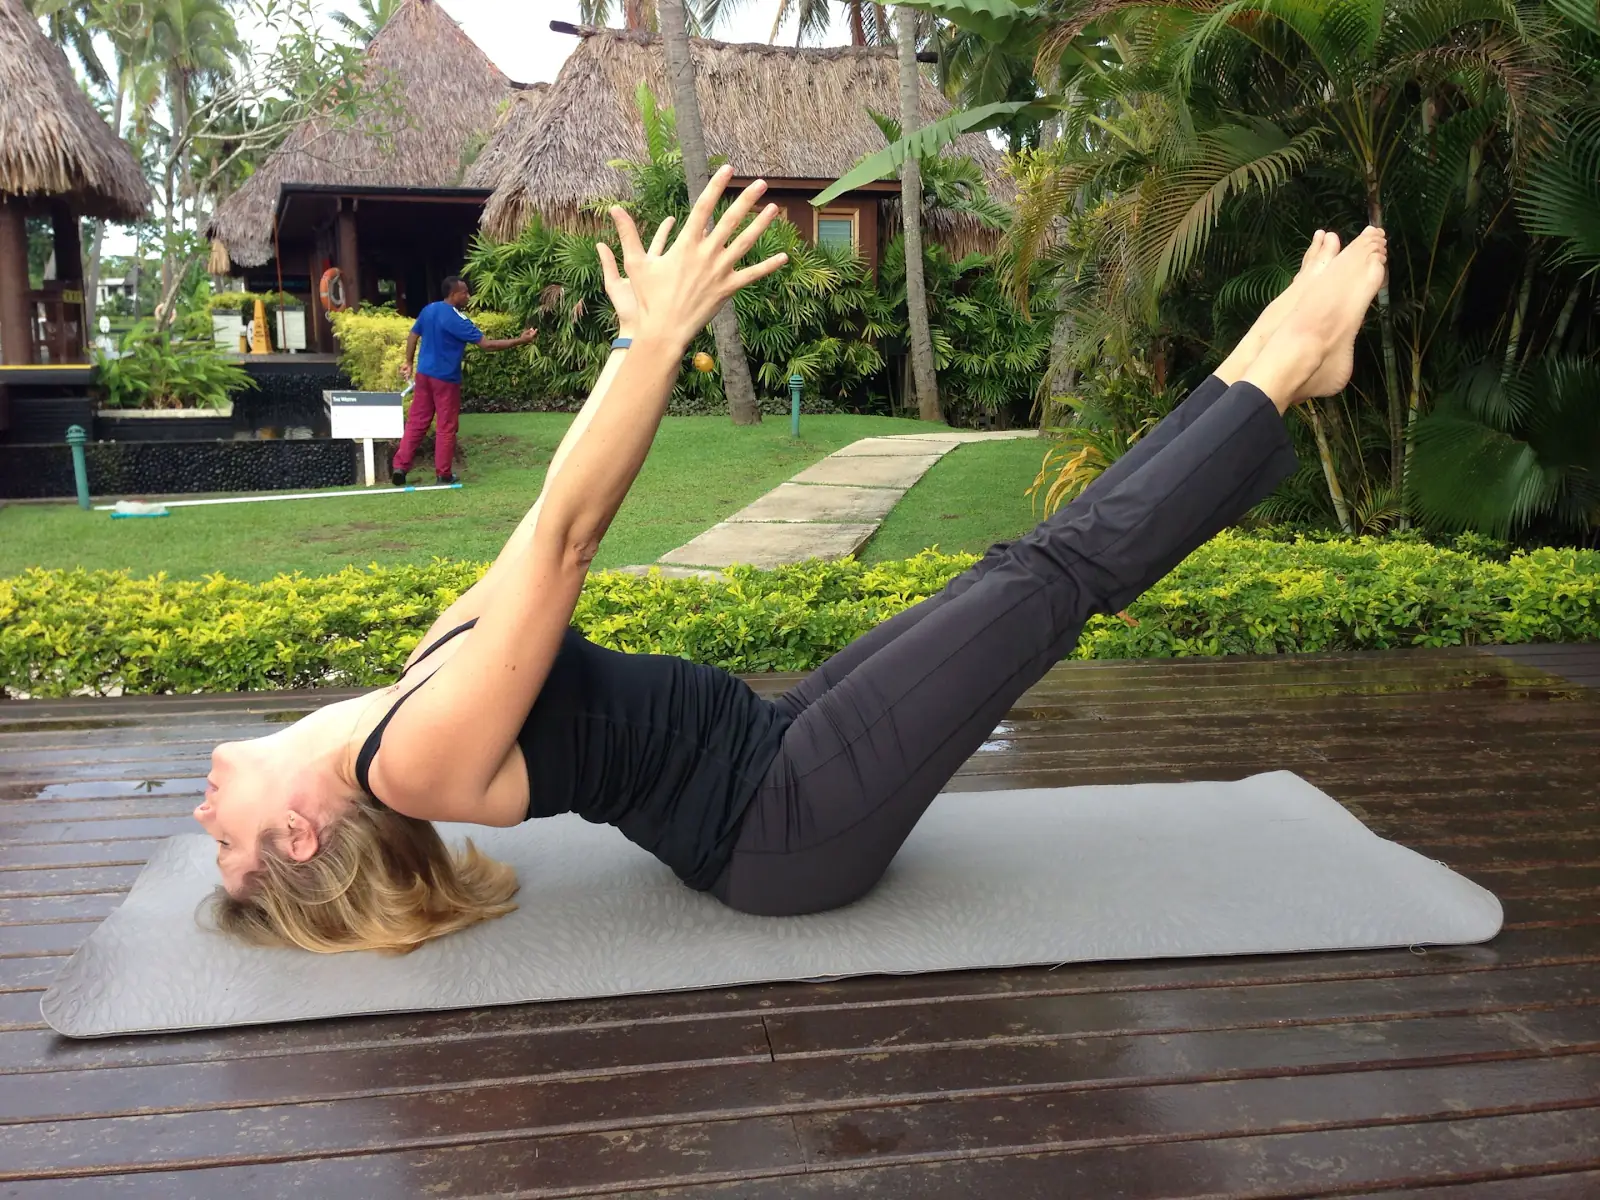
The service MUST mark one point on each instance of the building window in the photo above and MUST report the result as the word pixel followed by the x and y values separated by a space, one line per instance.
pixel 837 228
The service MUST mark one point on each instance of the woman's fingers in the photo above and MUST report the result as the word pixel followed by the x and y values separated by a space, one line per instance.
pixel 608 266
pixel 737 211
pixel 740 246
pixel 700 214
pixel 627 233
pixel 760 271
pixel 659 242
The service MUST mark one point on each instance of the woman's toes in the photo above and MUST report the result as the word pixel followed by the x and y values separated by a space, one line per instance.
pixel 1310 256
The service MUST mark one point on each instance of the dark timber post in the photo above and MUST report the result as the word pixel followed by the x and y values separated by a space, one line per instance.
pixel 16 333
pixel 349 254
pixel 320 334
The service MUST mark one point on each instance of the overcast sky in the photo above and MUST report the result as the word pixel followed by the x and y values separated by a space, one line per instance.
pixel 516 33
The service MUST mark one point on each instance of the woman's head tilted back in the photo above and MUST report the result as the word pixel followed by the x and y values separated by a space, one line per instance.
pixel 311 862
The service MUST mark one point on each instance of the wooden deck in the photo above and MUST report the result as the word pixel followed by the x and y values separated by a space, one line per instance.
pixel 1472 1072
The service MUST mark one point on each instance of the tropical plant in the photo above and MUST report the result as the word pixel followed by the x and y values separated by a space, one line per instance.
pixel 156 370
pixel 990 354
pixel 1506 451
pixel 1200 142
pixel 368 20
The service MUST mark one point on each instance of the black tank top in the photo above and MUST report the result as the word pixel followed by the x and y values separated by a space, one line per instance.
pixel 668 751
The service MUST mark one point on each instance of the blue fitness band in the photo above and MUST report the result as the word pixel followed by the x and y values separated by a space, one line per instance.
pixel 621 343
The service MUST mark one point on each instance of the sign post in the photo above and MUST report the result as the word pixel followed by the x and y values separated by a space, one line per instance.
pixel 363 416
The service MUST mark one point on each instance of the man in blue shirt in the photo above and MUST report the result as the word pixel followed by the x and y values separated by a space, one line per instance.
pixel 445 336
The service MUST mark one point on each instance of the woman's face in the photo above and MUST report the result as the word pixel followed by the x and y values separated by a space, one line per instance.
pixel 247 798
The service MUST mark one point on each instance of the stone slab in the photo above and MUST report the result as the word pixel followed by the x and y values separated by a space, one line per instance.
pixel 829 503
pixel 769 544
pixel 962 436
pixel 895 447
pixel 897 472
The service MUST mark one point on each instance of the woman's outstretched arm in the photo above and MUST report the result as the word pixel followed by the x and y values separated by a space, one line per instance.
pixel 455 734
pixel 470 604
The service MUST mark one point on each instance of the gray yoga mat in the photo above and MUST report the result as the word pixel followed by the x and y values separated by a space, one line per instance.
pixel 988 879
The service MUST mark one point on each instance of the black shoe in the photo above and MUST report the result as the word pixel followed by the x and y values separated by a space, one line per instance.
pixel 398 478
pixel 448 479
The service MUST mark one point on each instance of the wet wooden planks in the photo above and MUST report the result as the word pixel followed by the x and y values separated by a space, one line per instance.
pixel 1472 1071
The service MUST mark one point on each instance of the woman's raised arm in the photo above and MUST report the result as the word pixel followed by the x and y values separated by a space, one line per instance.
pixel 453 736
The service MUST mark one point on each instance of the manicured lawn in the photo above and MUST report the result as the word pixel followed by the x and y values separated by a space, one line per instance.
pixel 970 499
pixel 702 469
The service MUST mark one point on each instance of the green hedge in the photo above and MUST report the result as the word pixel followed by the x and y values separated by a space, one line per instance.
pixel 69 632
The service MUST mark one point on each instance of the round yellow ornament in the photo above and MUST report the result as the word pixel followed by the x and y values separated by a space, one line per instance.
pixel 703 362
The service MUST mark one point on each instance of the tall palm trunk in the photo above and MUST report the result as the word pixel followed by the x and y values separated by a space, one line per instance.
pixel 91 287
pixel 1330 473
pixel 1391 361
pixel 736 384
pixel 858 24
pixel 922 368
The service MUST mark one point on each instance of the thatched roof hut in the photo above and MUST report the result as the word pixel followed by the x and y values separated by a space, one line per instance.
pixel 451 95
pixel 515 126
pixel 52 141
pixel 775 111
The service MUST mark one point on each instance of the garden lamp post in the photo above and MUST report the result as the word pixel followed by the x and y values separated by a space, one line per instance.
pixel 795 384
pixel 76 437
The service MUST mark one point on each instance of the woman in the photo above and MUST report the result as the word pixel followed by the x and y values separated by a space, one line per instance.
pixel 504 713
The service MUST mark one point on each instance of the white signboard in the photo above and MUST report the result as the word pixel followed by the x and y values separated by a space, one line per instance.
pixel 365 414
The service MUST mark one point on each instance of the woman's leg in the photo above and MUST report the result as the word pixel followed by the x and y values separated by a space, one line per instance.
pixel 1321 251
pixel 812 688
pixel 860 765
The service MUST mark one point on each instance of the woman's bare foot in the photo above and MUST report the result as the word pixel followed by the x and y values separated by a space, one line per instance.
pixel 1322 250
pixel 1313 351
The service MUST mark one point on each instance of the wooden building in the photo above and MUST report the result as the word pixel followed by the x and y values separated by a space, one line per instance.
pixel 60 162
pixel 798 117
pixel 383 199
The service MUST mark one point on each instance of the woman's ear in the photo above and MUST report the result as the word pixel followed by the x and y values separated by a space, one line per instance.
pixel 301 842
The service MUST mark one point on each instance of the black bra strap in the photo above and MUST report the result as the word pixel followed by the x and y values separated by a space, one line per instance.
pixel 461 628
pixel 369 748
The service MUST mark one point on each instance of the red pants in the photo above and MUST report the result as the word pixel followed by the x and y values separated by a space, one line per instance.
pixel 432 398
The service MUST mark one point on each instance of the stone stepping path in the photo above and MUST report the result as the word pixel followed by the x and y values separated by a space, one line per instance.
pixel 828 511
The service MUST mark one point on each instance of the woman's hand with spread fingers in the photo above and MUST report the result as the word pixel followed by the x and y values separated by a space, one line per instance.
pixel 678 289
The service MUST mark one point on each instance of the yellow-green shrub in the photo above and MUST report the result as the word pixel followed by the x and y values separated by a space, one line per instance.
pixel 67 632
pixel 372 350
pixel 371 347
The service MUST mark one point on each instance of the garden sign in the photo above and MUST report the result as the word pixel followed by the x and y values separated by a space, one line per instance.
pixel 364 416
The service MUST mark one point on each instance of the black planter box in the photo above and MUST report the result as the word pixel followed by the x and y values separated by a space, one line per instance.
pixel 47 418
pixel 111 426
pixel 155 468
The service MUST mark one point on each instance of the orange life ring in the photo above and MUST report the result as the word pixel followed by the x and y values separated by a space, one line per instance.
pixel 332 290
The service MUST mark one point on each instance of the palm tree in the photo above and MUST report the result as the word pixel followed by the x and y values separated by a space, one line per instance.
pixel 191 44
pixel 369 19
pixel 736 384
pixel 122 23
pixel 71 25
pixel 922 364
pixel 638 15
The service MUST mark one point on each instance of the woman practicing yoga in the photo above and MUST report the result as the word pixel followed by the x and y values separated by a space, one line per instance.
pixel 505 713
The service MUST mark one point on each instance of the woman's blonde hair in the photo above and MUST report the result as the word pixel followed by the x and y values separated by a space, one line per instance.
pixel 378 881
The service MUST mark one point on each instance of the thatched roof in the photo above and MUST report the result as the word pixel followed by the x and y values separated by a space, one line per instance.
pixel 52 142
pixel 775 111
pixel 451 93
pixel 513 128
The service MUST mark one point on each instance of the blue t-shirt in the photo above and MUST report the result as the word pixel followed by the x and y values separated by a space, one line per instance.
pixel 445 334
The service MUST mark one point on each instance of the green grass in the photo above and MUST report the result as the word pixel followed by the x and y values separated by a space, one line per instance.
pixel 701 470
pixel 970 499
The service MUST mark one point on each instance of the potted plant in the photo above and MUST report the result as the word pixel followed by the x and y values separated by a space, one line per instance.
pixel 163 388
